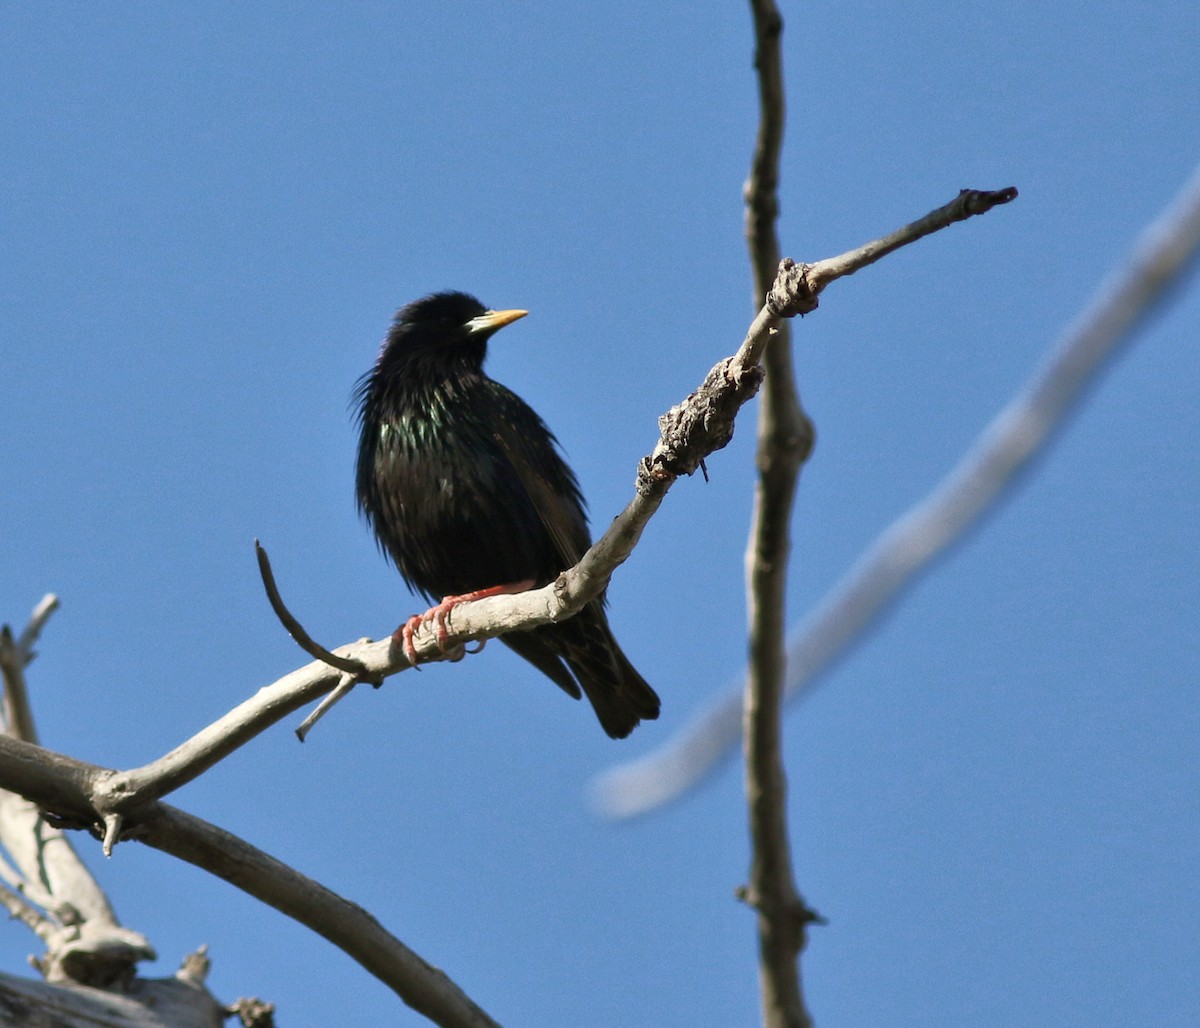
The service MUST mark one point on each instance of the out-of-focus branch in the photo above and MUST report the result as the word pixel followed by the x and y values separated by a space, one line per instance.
pixel 16 653
pixel 50 889
pixel 15 656
pixel 1163 254
pixel 785 440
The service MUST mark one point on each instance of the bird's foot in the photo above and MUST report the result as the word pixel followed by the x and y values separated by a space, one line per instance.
pixel 437 614
pixel 403 637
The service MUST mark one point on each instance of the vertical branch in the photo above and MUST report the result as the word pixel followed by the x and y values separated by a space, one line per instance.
pixel 785 439
pixel 15 654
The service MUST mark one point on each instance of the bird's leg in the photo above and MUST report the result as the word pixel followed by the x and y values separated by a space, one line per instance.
pixel 437 615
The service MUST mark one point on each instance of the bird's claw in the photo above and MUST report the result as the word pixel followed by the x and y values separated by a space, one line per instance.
pixel 435 616
pixel 403 637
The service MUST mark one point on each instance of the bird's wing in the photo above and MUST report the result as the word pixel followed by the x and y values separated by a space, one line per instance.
pixel 547 480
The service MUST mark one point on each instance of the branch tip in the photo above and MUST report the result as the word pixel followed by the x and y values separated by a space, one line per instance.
pixel 112 831
pixel 978 201
pixel 342 689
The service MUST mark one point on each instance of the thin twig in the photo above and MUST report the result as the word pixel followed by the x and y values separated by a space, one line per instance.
pixel 22 910
pixel 967 204
pixel 341 690
pixel 785 440
pixel 46 606
pixel 1162 256
pixel 353 671
pixel 294 628
pixel 15 655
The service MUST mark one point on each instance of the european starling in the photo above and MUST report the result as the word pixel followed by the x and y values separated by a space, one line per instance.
pixel 467 492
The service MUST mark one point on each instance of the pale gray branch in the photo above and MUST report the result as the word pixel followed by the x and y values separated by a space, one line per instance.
pixel 15 655
pixel 785 440
pixel 689 432
pixel 174 1002
pixel 53 892
pixel 348 926
pixel 66 787
pixel 1163 254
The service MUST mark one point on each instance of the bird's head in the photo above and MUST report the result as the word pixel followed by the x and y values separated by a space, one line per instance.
pixel 444 330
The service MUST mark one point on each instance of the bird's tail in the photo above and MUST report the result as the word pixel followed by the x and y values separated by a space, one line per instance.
pixel 622 709
pixel 618 694
pixel 586 646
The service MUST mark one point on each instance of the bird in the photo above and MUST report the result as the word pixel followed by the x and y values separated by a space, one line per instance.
pixel 468 494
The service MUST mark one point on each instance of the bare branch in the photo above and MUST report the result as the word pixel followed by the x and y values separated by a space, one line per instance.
pixel 785 440
pixel 15 656
pixel 67 787
pixel 689 432
pixel 423 987
pixel 150 1003
pixel 84 941
pixel 700 425
pixel 1123 302
pixel 967 204
pixel 294 628
pixel 125 791
pixel 340 692
pixel 109 802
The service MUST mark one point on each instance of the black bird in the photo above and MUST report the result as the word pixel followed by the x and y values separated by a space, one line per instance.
pixel 466 491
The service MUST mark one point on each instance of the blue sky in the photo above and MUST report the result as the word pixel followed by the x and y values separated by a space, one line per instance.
pixel 211 213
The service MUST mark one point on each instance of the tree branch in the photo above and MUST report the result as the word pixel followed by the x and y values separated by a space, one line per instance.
pixel 294 628
pixel 1124 301
pixel 53 893
pixel 15 655
pixel 785 440
pixel 689 432
pixel 65 786
pixel 422 986
pixel 106 801
pixel 967 204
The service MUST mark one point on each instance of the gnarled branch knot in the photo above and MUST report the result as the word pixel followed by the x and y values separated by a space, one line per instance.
pixel 791 293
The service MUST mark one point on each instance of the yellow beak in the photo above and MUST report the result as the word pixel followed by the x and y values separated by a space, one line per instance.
pixel 489 321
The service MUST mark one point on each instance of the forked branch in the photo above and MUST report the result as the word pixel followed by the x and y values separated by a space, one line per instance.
pixel 1163 255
